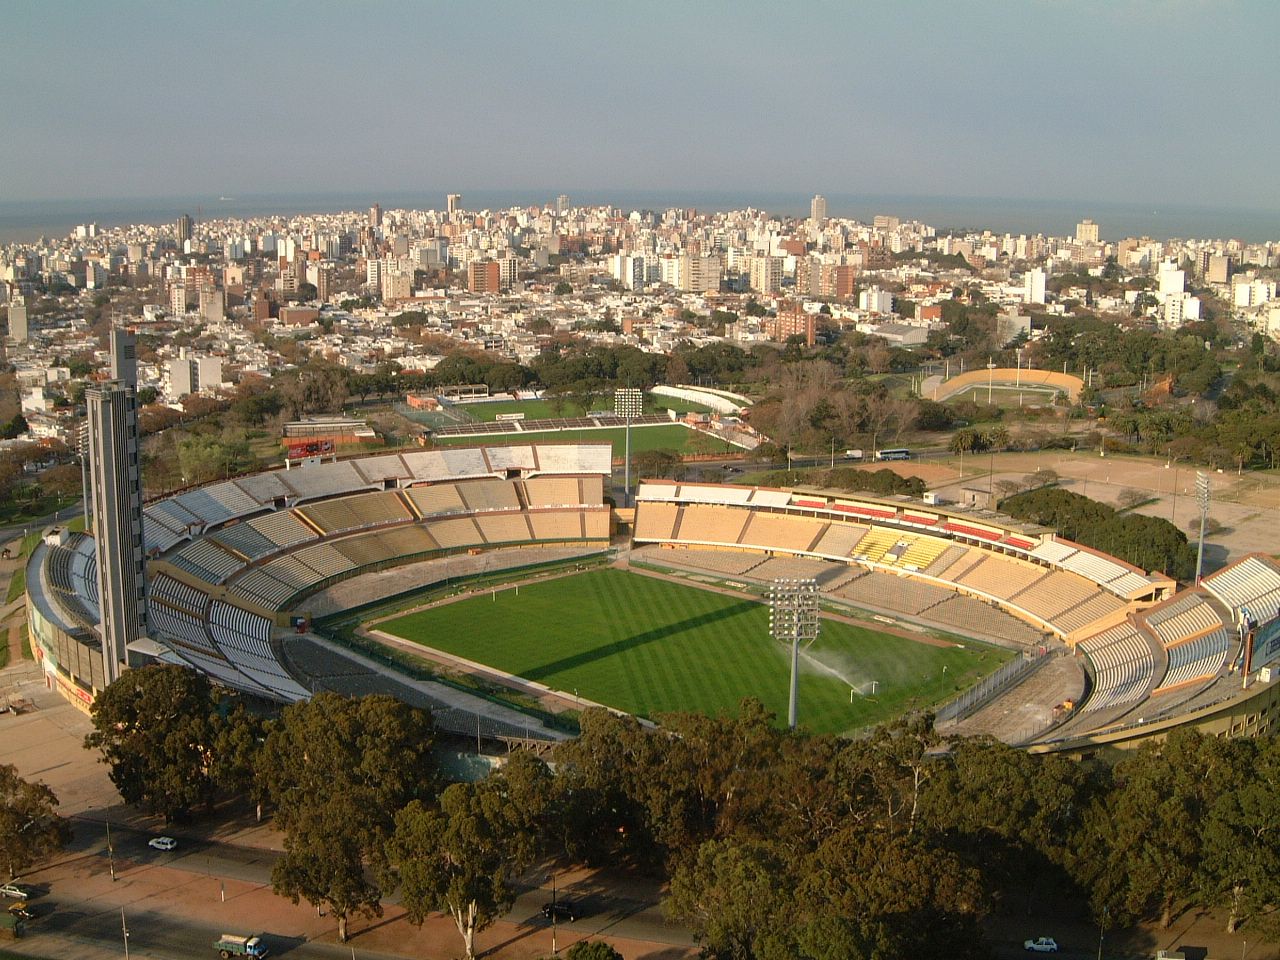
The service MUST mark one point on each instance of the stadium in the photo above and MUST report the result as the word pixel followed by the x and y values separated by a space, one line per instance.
pixel 237 570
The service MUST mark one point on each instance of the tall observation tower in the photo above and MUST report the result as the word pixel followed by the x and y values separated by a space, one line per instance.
pixel 114 497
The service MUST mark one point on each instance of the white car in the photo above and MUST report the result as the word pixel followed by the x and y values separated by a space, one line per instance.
pixel 15 891
pixel 162 843
pixel 1041 945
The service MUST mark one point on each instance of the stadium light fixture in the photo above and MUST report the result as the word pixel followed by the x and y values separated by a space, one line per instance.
pixel 793 618
pixel 1202 498
pixel 628 402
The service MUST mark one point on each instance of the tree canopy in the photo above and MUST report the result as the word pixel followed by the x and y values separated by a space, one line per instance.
pixel 30 828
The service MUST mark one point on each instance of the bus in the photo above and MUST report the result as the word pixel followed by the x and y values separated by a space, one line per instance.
pixel 898 453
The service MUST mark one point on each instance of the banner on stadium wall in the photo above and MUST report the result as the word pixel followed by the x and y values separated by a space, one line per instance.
pixel 1265 647
pixel 300 449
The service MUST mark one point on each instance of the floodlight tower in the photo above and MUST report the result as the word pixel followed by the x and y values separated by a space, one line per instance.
pixel 1202 498
pixel 793 617
pixel 627 403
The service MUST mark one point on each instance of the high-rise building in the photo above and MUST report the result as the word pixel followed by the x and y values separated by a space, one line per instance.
pixel 1219 268
pixel 375 215
pixel 193 374
pixel 1086 232
pixel 453 203
pixel 766 274
pixel 18 321
pixel 183 229
pixel 124 357
pixel 484 276
pixel 562 205
pixel 818 209
pixel 115 496
pixel 1034 286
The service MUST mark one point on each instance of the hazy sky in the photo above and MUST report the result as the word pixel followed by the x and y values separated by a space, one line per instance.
pixel 1168 101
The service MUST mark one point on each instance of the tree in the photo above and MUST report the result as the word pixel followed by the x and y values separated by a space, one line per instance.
pixel 462 856
pixel 1140 852
pixel 1241 867
pixel 154 727
pixel 30 828
pixel 592 950
pixel 324 862
pixel 563 288
pixel 374 748
pixel 338 769
pixel 731 897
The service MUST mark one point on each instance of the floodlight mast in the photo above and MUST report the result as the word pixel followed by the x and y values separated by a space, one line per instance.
pixel 1202 498
pixel 628 402
pixel 793 617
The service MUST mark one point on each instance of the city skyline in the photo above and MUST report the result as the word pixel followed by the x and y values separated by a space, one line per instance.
pixel 1039 100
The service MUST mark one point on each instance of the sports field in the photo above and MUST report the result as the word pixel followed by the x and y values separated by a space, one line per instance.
pixel 661 437
pixel 546 409
pixel 648 646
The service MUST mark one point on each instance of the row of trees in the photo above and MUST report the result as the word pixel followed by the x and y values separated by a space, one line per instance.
pixel 775 843
pixel 1151 543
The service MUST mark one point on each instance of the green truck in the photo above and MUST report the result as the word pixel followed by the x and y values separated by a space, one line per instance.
pixel 229 945
pixel 11 926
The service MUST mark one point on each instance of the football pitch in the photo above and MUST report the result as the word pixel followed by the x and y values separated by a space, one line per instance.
pixel 649 646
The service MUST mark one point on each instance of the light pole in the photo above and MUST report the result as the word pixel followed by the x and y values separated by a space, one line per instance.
pixel 1202 498
pixel 111 852
pixel 793 617
pixel 552 878
pixel 124 930
pixel 627 403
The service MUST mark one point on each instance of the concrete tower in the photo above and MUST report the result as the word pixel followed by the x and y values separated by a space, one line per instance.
pixel 114 497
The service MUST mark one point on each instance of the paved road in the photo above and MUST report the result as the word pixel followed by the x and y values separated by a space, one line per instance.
pixel 18 529
pixel 67 921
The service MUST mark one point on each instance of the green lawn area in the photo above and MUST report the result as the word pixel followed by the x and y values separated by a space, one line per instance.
pixel 545 409
pixel 648 646
pixel 20 511
pixel 662 437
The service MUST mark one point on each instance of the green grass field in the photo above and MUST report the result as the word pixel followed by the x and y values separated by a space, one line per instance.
pixel 663 437
pixel 649 646
pixel 545 409
pixel 1008 397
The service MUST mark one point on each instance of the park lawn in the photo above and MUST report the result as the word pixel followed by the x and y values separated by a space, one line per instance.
pixel 20 511
pixel 546 410
pixel 648 646
pixel 662 437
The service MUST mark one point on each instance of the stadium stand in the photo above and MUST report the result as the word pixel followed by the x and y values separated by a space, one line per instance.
pixel 983 619
pixel 489 495
pixel 504 527
pixel 437 499
pixel 777 531
pixel 207 560
pixel 1124 664
pixel 894 593
pixel 839 540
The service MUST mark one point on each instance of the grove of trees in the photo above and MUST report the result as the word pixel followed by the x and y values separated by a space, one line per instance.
pixel 773 843
pixel 1151 543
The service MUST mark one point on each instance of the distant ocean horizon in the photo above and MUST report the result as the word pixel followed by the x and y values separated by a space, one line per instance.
pixel 27 221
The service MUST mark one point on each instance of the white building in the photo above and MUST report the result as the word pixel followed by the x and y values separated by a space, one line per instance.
pixel 1034 284
pixel 1171 280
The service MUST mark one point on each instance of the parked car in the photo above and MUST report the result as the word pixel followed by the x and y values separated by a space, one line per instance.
pixel 15 891
pixel 561 911
pixel 21 910
pixel 162 843
pixel 1041 945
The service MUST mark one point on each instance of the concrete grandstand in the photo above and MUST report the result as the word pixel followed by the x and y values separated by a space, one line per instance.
pixel 232 566
pixel 229 562
pixel 1150 654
